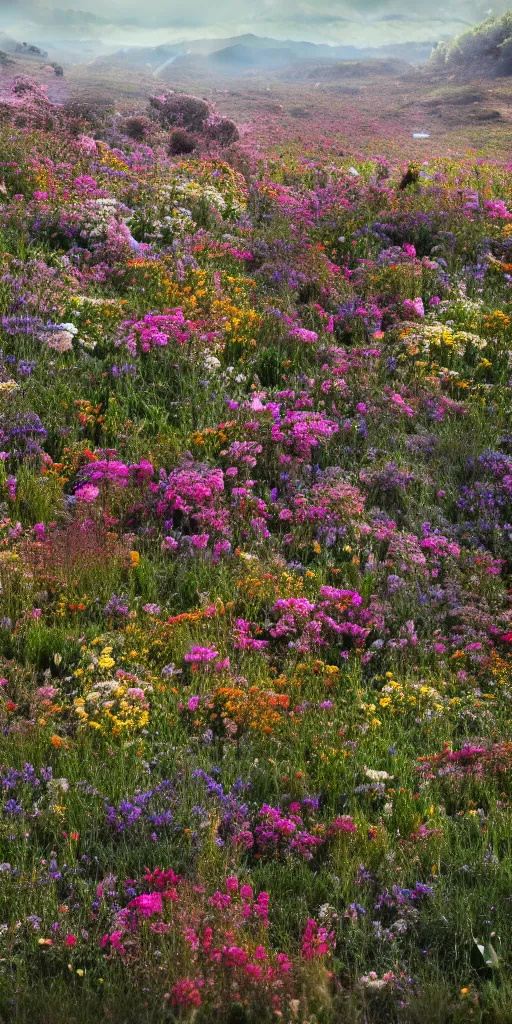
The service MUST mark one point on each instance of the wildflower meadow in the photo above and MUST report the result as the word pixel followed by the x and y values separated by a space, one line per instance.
pixel 255 557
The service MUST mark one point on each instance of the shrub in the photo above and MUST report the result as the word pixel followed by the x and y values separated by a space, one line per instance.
pixel 221 130
pixel 180 110
pixel 181 142
pixel 88 109
pixel 137 127
pixel 485 49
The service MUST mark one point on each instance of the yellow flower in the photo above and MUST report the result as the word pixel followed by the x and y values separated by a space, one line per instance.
pixel 106 661
pixel 134 558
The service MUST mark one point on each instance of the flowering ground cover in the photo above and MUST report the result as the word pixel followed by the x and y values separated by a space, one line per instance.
pixel 255 554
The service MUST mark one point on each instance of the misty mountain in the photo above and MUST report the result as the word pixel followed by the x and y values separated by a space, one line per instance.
pixel 12 46
pixel 239 57
pixel 248 52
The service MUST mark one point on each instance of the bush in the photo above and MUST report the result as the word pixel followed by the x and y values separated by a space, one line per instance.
pixel 181 142
pixel 180 110
pixel 89 109
pixel 137 127
pixel 485 50
pixel 222 130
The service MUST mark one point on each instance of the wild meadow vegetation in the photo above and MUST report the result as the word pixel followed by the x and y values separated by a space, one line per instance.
pixel 255 554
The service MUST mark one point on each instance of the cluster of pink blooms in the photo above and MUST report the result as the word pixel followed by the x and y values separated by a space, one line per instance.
pixel 111 471
pixel 278 832
pixel 472 760
pixel 156 330
pixel 316 940
pixel 201 655
pixel 220 934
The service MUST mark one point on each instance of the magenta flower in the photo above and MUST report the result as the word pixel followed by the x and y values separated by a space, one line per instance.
pixel 196 654
pixel 147 904
pixel 316 941
pixel 87 492
pixel 200 540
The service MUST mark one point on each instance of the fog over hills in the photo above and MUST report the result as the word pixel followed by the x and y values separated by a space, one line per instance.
pixel 363 24
pixel 238 54
pixel 150 40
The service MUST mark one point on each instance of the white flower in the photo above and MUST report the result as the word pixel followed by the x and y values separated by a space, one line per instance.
pixel 376 776
pixel 211 362
pixel 56 785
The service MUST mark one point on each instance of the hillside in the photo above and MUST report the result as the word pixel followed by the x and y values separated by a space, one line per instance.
pixel 482 52
pixel 248 52
pixel 255 557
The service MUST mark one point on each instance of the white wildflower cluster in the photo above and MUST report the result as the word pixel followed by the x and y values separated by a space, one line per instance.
pixel 96 216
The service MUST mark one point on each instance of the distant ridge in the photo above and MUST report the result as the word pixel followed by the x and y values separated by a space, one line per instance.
pixel 238 54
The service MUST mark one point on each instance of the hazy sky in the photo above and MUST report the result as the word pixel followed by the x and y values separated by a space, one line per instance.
pixel 361 22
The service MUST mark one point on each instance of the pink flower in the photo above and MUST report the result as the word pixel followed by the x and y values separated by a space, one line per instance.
pixel 235 956
pixel 193 703
pixel 414 306
pixel 343 824
pixel 186 993
pixel 198 654
pixel 135 693
pixel 254 971
pixel 70 940
pixel 220 900
pixel 232 884
pixel 169 544
pixel 283 962
pixel 200 540
pixel 222 665
pixel 303 335
pixel 316 941
pixel 87 492
pixel 45 692
pixel 333 594
pixel 147 904
pixel 114 940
